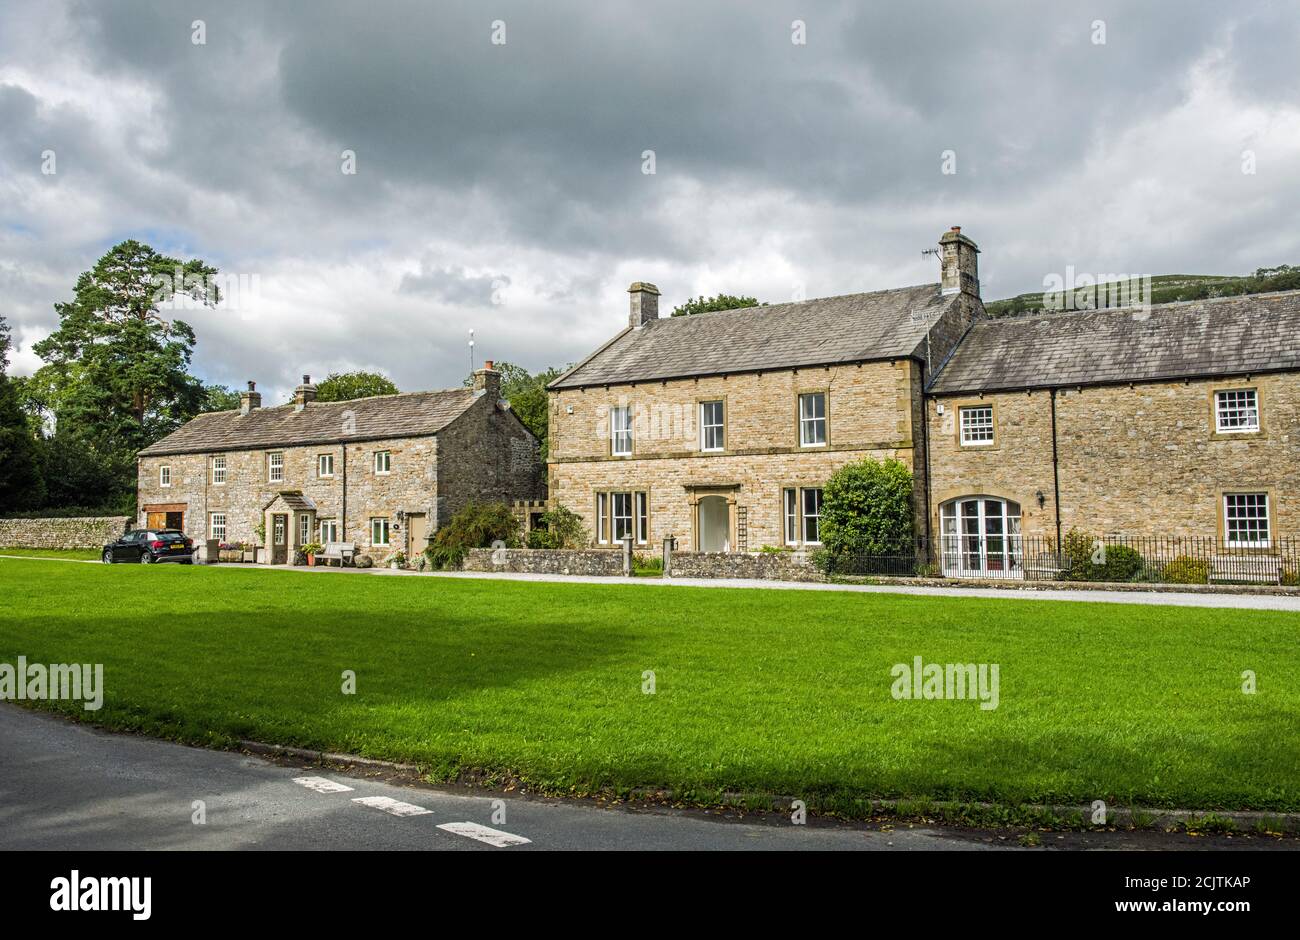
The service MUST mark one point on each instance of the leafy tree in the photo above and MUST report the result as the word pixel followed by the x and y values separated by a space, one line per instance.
pixel 721 302
pixel 867 509
pixel 117 370
pixel 79 471
pixel 346 386
pixel 219 398
pixel 21 483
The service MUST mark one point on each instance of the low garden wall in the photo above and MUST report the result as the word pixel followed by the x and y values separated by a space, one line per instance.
pixel 73 532
pixel 770 566
pixel 544 561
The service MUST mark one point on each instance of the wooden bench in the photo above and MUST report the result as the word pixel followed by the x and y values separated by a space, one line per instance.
pixel 342 552
pixel 1253 569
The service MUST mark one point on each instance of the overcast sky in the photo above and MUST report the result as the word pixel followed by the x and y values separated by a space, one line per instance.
pixel 501 186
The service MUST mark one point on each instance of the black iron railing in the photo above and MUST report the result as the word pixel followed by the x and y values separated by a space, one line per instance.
pixel 1115 558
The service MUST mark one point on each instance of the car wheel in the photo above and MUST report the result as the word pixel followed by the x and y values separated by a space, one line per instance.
pixel 107 558
pixel 146 558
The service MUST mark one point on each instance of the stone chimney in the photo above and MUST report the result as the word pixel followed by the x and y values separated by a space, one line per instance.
pixel 487 381
pixel 645 304
pixel 251 399
pixel 960 267
pixel 303 393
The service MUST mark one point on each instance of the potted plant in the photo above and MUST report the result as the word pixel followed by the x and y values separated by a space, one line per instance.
pixel 311 550
pixel 397 561
pixel 250 552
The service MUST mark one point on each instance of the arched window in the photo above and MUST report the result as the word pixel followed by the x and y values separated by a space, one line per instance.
pixel 981 537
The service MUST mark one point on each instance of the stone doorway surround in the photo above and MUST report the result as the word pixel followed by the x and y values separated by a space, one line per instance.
pixel 291 505
pixel 696 492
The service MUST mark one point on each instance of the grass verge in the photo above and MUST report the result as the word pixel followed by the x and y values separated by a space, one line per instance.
pixel 754 691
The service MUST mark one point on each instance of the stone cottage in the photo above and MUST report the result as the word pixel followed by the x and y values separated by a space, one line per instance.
pixel 383 472
pixel 1178 420
pixel 721 428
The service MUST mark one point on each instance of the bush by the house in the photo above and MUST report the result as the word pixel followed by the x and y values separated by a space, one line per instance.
pixel 867 509
pixel 561 528
pixel 478 525
pixel 1187 570
pixel 1119 562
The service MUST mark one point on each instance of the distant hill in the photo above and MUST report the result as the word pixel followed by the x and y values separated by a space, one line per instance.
pixel 1165 288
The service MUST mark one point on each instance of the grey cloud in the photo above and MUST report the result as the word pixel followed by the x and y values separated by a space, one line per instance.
pixel 452 285
pixel 821 159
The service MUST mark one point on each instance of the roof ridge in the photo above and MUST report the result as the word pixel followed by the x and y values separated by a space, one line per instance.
pixel 795 303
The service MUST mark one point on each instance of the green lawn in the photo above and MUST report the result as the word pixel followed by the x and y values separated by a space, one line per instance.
pixel 779 691
pixel 81 554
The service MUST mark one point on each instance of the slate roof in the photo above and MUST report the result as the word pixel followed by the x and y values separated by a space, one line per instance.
pixel 850 328
pixel 293 499
pixel 411 414
pixel 1224 336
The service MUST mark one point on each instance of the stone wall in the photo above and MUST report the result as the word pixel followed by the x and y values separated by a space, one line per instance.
pixel 870 413
pixel 771 566
pixel 76 532
pixel 545 561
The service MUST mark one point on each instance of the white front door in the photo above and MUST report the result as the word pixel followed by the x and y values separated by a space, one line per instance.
pixel 714 520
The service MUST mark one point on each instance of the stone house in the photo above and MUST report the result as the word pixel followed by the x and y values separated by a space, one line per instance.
pixel 721 428
pixel 383 472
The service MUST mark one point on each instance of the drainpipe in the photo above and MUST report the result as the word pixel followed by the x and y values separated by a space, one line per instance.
pixel 1056 474
pixel 925 450
pixel 343 510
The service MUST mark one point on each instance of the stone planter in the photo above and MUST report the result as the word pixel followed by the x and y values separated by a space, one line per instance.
pixel 250 556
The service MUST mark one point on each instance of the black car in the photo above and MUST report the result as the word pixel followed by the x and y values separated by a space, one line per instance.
pixel 149 546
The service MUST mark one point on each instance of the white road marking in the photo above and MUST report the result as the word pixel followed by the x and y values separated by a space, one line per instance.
pixel 321 785
pixel 390 805
pixel 484 834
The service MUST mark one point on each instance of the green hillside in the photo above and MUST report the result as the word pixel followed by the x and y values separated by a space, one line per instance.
pixel 1165 288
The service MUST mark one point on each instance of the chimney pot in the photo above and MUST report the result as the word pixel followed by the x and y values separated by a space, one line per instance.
pixel 644 305
pixel 306 379
pixel 488 364
pixel 252 386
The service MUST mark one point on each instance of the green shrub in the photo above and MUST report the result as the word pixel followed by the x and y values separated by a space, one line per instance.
pixel 562 528
pixel 478 525
pixel 1122 563
pixel 776 549
pixel 867 509
pixel 1187 570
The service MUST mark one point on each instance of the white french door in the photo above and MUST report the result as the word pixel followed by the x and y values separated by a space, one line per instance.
pixel 981 538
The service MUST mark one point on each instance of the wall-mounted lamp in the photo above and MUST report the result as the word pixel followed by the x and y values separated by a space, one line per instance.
pixel 1042 500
